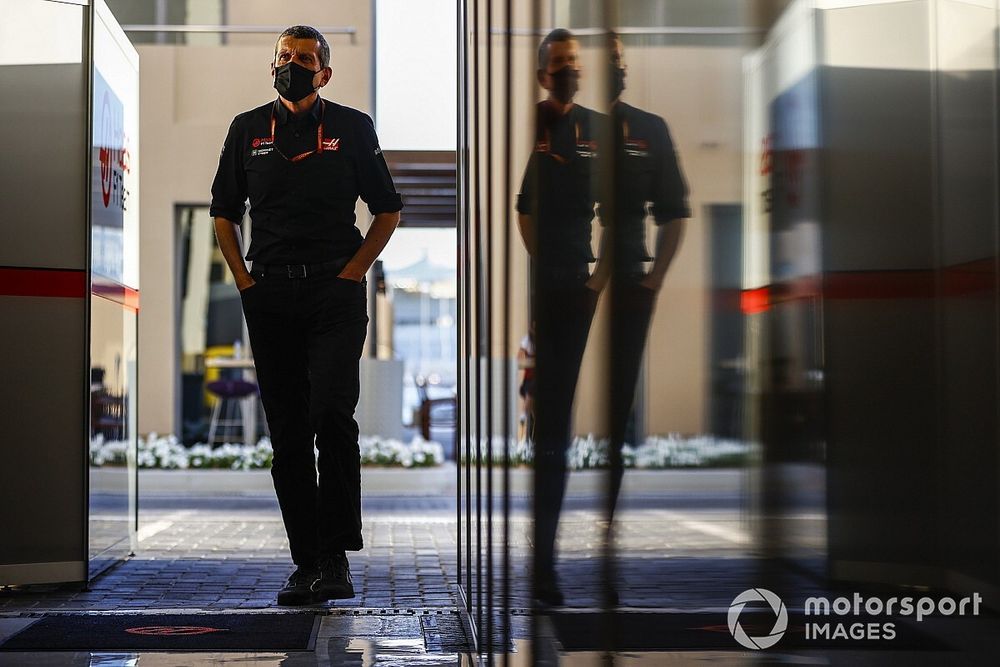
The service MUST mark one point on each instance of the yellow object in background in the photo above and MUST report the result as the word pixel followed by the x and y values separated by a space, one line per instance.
pixel 213 373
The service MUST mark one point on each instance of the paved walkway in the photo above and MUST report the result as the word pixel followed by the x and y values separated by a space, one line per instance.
pixel 231 553
pixel 206 556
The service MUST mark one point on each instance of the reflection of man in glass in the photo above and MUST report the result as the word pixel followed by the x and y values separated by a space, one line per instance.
pixel 556 207
pixel 646 171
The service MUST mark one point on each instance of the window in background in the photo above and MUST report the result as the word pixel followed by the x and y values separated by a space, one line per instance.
pixel 415 77
pixel 420 275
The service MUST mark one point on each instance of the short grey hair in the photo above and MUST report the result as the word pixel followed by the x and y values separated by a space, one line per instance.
pixel 557 35
pixel 307 32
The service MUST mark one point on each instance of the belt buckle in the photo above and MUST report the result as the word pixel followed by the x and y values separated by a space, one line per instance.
pixel 292 269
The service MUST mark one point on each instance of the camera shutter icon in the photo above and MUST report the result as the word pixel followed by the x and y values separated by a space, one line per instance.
pixel 780 623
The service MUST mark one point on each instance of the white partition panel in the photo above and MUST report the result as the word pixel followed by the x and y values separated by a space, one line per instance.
pixel 68 287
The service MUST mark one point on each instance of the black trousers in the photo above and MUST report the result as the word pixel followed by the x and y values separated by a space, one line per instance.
pixel 631 313
pixel 564 314
pixel 307 335
pixel 563 311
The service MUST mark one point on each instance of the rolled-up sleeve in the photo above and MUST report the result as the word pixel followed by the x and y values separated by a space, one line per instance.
pixel 670 190
pixel 374 180
pixel 229 189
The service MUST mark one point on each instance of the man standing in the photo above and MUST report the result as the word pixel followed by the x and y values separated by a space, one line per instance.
pixel 302 162
pixel 556 212
pixel 646 173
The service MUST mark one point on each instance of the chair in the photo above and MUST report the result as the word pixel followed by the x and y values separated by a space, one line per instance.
pixel 227 414
pixel 108 416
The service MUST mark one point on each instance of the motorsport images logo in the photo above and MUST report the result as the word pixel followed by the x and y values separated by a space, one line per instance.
pixel 855 618
pixel 780 618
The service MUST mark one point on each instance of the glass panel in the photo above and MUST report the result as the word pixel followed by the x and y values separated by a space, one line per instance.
pixel 791 363
pixel 115 156
pixel 114 300
pixel 112 430
pixel 967 171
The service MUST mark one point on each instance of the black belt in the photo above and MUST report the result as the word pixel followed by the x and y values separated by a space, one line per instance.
pixel 334 266
pixel 565 271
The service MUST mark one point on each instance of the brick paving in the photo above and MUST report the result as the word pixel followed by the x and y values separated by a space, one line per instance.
pixel 231 553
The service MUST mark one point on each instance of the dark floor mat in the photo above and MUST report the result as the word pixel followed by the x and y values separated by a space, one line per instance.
pixel 710 631
pixel 173 632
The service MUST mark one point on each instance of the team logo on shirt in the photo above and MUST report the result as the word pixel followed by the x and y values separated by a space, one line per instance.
pixel 636 147
pixel 331 144
pixel 261 146
pixel 586 148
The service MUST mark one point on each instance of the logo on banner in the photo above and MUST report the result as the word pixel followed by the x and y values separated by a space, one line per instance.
pixel 113 154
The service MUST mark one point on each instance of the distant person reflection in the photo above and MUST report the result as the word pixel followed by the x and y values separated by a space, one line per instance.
pixel 526 363
pixel 646 171
pixel 556 207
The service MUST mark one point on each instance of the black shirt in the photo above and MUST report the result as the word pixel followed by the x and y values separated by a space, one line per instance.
pixel 647 171
pixel 302 211
pixel 557 188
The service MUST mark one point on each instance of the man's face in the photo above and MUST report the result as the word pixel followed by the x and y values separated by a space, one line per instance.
pixel 303 51
pixel 618 55
pixel 561 54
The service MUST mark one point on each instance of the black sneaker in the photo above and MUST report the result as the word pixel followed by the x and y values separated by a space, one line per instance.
pixel 334 582
pixel 298 589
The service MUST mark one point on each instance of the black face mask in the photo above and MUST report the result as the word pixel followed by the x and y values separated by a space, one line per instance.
pixel 616 82
pixel 293 81
pixel 565 83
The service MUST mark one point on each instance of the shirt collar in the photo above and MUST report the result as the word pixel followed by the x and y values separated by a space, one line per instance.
pixel 284 116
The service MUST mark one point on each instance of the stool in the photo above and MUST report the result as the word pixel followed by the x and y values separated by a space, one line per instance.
pixel 228 394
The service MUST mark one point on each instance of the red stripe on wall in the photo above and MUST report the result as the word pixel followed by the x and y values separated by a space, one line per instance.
pixel 754 301
pixel 879 285
pixel 67 283
pixel 969 279
pixel 116 292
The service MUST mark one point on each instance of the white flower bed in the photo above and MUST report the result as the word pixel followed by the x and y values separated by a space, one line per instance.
pixel 674 451
pixel 166 452
pixel 386 451
pixel 671 451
